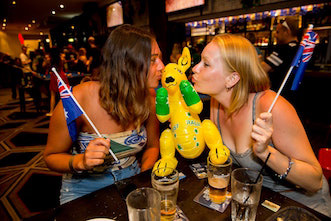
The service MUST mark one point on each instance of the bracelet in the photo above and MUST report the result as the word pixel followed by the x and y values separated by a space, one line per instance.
pixel 283 176
pixel 71 167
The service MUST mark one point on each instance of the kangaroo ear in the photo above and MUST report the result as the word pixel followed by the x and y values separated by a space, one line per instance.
pixel 184 62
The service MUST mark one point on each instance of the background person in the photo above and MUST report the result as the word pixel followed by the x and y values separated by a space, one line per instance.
pixel 120 106
pixel 57 62
pixel 230 72
pixel 279 61
pixel 25 60
pixel 93 54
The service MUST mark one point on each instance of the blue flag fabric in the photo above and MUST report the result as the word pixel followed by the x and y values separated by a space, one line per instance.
pixel 302 57
pixel 71 110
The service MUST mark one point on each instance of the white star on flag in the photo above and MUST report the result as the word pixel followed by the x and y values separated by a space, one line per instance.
pixel 65 113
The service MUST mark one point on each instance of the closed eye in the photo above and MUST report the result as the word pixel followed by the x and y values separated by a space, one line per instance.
pixel 206 64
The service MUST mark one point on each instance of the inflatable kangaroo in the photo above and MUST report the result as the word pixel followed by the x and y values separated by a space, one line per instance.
pixel 178 102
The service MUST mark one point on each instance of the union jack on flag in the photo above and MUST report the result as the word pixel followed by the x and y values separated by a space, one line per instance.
pixel 303 55
pixel 71 109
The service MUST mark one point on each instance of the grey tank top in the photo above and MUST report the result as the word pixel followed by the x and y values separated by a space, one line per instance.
pixel 319 201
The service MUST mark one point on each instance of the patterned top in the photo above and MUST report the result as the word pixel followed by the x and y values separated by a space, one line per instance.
pixel 125 145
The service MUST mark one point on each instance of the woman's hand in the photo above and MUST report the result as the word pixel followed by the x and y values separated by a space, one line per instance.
pixel 261 133
pixel 95 153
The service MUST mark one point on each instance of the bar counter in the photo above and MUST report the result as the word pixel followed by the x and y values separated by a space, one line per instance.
pixel 109 202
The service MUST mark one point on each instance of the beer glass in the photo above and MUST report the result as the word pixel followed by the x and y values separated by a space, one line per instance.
pixel 168 187
pixel 144 204
pixel 245 193
pixel 218 180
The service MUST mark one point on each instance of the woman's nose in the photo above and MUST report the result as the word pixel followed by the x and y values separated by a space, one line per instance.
pixel 195 69
pixel 161 65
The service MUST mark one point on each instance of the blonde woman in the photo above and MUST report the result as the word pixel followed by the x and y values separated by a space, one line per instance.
pixel 230 72
pixel 122 109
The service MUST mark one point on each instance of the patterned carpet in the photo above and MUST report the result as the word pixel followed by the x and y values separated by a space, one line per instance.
pixel 27 186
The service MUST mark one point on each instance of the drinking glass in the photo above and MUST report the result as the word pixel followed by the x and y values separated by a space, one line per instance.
pixel 218 180
pixel 245 193
pixel 168 187
pixel 144 204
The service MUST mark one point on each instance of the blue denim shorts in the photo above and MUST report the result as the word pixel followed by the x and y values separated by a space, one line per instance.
pixel 74 186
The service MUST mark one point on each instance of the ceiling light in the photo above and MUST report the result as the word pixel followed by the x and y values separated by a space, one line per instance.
pixel 4 20
pixel 14 2
pixel 71 40
pixel 29 25
pixel 53 12
pixel 41 33
pixel 3 28
pixel 47 40
pixel 72 27
pixel 4 24
pixel 26 28
pixel 64 34
pixel 33 21
pixel 62 6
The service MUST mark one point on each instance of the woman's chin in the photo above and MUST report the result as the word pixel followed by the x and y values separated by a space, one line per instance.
pixel 197 89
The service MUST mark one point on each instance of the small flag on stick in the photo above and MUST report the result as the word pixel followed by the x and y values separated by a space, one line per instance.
pixel 75 110
pixel 306 51
pixel 71 110
pixel 301 58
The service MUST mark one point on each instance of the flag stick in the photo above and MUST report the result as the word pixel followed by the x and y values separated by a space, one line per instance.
pixel 294 63
pixel 87 118
pixel 281 88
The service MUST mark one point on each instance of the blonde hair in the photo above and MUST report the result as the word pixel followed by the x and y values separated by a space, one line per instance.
pixel 240 56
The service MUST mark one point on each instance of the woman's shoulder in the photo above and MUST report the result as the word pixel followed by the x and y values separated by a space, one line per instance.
pixel 87 90
pixel 281 106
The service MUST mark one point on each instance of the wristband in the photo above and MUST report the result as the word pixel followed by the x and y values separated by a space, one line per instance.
pixel 71 167
pixel 283 176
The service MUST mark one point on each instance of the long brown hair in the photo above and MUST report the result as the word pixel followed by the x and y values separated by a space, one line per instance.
pixel 123 75
pixel 240 56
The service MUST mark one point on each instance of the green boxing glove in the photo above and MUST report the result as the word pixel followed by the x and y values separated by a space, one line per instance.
pixel 162 106
pixel 190 96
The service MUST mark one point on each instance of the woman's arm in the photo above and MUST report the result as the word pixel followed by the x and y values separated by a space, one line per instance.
pixel 284 127
pixel 57 152
pixel 151 154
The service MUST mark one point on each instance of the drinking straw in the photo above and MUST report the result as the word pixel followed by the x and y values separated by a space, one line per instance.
pixel 258 176
pixel 78 105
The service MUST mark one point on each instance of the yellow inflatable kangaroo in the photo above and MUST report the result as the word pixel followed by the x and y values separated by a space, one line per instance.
pixel 178 102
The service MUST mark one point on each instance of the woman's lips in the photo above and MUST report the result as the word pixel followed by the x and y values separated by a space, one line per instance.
pixel 193 79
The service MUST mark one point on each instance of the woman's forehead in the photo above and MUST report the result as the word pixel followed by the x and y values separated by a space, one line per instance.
pixel 155 49
pixel 211 51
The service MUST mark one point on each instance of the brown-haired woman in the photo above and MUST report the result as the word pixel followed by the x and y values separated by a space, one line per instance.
pixel 230 72
pixel 121 107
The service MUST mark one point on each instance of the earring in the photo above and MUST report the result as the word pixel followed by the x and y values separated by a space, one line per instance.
pixel 228 88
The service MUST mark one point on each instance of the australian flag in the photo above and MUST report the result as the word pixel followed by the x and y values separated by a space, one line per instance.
pixel 302 56
pixel 71 110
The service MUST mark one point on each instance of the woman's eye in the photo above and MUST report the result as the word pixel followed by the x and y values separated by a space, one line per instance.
pixel 205 64
pixel 153 60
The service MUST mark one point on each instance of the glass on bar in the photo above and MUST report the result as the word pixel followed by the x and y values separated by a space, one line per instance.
pixel 218 180
pixel 168 187
pixel 245 194
pixel 144 204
